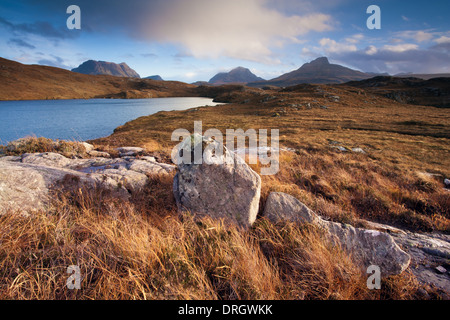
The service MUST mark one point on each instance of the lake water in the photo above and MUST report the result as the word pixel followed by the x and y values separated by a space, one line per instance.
pixel 81 119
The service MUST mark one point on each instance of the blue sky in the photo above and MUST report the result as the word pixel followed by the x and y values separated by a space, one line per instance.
pixel 191 40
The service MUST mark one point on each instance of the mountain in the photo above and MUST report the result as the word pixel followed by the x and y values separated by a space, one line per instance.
pixel 238 75
pixel 319 71
pixel 106 68
pixel 156 77
pixel 36 82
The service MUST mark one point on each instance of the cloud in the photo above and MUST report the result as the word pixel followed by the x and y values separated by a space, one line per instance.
pixel 248 30
pixel 405 18
pixel 41 28
pixel 148 55
pixel 20 43
pixel 54 61
pixel 401 47
pixel 442 39
pixel 398 59
pixel 331 46
pixel 417 35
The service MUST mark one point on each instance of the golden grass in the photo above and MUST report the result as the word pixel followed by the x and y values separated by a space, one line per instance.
pixel 390 183
pixel 142 249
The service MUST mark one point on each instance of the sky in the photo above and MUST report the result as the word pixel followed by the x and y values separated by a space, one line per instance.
pixel 192 40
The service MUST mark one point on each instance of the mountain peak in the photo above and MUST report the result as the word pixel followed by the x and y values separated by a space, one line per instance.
pixel 320 61
pixel 237 75
pixel 108 68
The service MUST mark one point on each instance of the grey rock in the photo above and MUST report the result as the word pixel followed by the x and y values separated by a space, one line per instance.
pixel 281 206
pixel 150 168
pixel 222 186
pixel 358 150
pixel 447 183
pixel 441 269
pixel 49 159
pixel 24 187
pixel 133 181
pixel 89 147
pixel 99 154
pixel 129 151
pixel 367 247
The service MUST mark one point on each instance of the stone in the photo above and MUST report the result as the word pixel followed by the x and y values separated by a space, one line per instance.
pixel 89 147
pixel 280 206
pixel 133 181
pixel 24 187
pixel 99 154
pixel 358 150
pixel 447 183
pixel 222 186
pixel 367 247
pixel 46 159
pixel 150 168
pixel 129 151
pixel 441 269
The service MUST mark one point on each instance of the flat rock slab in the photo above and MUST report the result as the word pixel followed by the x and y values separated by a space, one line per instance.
pixel 25 180
pixel 24 187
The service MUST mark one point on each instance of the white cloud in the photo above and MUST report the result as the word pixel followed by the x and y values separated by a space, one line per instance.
pixel 331 46
pixel 442 39
pixel 405 18
pixel 401 47
pixel 238 29
pixel 355 38
pixel 417 35
pixel 371 50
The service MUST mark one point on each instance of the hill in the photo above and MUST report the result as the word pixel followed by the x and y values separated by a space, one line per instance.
pixel 107 68
pixel 432 92
pixel 155 77
pixel 36 82
pixel 319 71
pixel 238 75
pixel 423 76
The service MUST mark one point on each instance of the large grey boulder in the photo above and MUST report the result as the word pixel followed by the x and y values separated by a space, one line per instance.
pixel 223 186
pixel 367 247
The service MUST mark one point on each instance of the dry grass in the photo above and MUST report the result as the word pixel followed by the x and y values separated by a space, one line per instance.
pixel 142 249
pixel 40 144
pixel 390 183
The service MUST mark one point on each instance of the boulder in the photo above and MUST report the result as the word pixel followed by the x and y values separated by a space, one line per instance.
pixel 367 247
pixel 223 186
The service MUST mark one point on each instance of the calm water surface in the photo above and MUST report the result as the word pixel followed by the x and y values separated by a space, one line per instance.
pixel 80 119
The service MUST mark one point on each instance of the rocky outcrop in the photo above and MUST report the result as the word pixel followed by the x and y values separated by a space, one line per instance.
pixel 223 186
pixel 367 247
pixel 25 180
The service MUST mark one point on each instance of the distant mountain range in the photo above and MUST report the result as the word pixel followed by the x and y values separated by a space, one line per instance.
pixel 238 75
pixel 319 71
pixel 93 67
